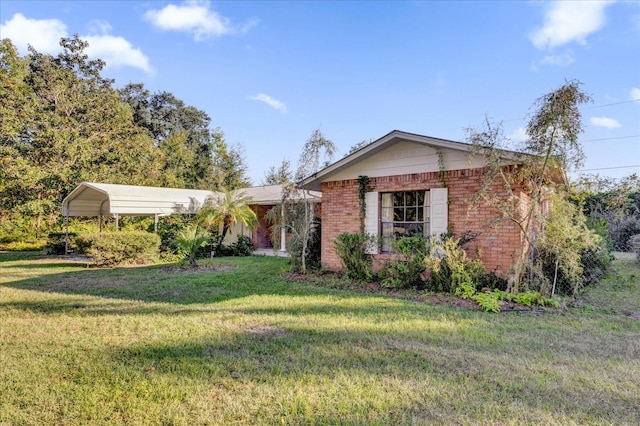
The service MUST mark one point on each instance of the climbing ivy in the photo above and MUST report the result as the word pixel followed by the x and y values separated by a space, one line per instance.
pixel 364 186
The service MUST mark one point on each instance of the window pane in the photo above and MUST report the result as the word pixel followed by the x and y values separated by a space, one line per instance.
pixel 387 214
pixel 387 200
pixel 398 214
pixel 411 214
pixel 387 229
pixel 414 229
pixel 398 198
pixel 421 198
pixel 410 199
pixel 420 214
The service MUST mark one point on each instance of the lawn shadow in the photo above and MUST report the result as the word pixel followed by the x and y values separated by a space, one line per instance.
pixel 465 370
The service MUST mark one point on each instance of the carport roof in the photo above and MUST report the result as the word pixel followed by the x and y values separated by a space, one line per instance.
pixel 104 199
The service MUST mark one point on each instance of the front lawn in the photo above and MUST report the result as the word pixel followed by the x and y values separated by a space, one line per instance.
pixel 237 344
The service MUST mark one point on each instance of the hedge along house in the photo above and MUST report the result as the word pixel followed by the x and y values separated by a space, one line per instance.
pixel 417 185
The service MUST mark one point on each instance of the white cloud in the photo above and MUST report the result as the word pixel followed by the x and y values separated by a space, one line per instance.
pixel 192 17
pixel 569 21
pixel 563 60
pixel 606 122
pixel 116 52
pixel 518 135
pixel 43 34
pixel 273 103
pixel 99 26
pixel 635 93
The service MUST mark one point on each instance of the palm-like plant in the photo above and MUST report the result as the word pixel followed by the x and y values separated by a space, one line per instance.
pixel 226 210
pixel 190 240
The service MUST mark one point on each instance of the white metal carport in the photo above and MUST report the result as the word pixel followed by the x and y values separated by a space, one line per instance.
pixel 105 199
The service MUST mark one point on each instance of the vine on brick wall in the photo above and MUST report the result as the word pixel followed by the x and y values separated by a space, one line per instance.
pixel 441 167
pixel 364 186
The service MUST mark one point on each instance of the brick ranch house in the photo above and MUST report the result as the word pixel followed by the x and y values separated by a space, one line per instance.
pixel 419 184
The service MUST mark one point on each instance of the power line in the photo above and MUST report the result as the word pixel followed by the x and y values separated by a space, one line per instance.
pixel 610 139
pixel 614 103
pixel 607 168
pixel 591 107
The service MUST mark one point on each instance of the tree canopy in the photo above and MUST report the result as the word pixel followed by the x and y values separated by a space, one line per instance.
pixel 63 122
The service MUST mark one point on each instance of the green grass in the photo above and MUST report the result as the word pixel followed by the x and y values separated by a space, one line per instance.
pixel 240 345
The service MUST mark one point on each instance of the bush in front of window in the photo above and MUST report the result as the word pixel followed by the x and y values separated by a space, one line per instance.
pixel 451 269
pixel 406 269
pixel 353 250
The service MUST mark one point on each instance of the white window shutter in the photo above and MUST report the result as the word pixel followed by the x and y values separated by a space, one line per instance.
pixel 439 211
pixel 371 220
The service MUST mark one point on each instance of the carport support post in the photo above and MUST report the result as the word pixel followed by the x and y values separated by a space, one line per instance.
pixel 66 235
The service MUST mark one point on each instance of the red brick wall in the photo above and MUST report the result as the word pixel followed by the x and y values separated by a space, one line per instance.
pixel 496 244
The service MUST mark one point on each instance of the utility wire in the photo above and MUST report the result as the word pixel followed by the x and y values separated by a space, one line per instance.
pixel 607 168
pixel 614 103
pixel 610 139
pixel 591 107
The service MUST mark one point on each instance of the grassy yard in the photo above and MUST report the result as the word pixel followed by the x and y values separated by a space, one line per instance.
pixel 240 345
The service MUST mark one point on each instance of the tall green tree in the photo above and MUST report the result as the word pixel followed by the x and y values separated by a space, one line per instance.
pixel 180 131
pixel 229 166
pixel 77 129
pixel 281 175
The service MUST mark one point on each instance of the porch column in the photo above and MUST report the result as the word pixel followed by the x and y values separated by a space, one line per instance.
pixel 117 220
pixel 283 233
pixel 155 223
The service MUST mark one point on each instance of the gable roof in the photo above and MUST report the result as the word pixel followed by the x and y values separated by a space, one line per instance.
pixel 313 181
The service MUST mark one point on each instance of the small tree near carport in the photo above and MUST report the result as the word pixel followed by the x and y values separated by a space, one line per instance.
pixel 296 212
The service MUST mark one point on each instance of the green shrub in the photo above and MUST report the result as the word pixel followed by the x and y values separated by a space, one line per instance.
pixel 56 242
pixel 113 248
pixel 407 268
pixel 168 229
pixel 243 246
pixel 352 249
pixel 451 269
pixel 191 240
pixel 489 301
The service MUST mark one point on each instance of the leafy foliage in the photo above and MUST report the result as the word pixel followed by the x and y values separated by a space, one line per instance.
pixel 451 269
pixel 407 267
pixel 190 240
pixel 243 246
pixel 113 248
pixel 551 148
pixel 224 212
pixel 57 242
pixel 64 123
pixel 353 250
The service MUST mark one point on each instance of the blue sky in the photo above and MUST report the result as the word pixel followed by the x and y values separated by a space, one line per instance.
pixel 269 73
